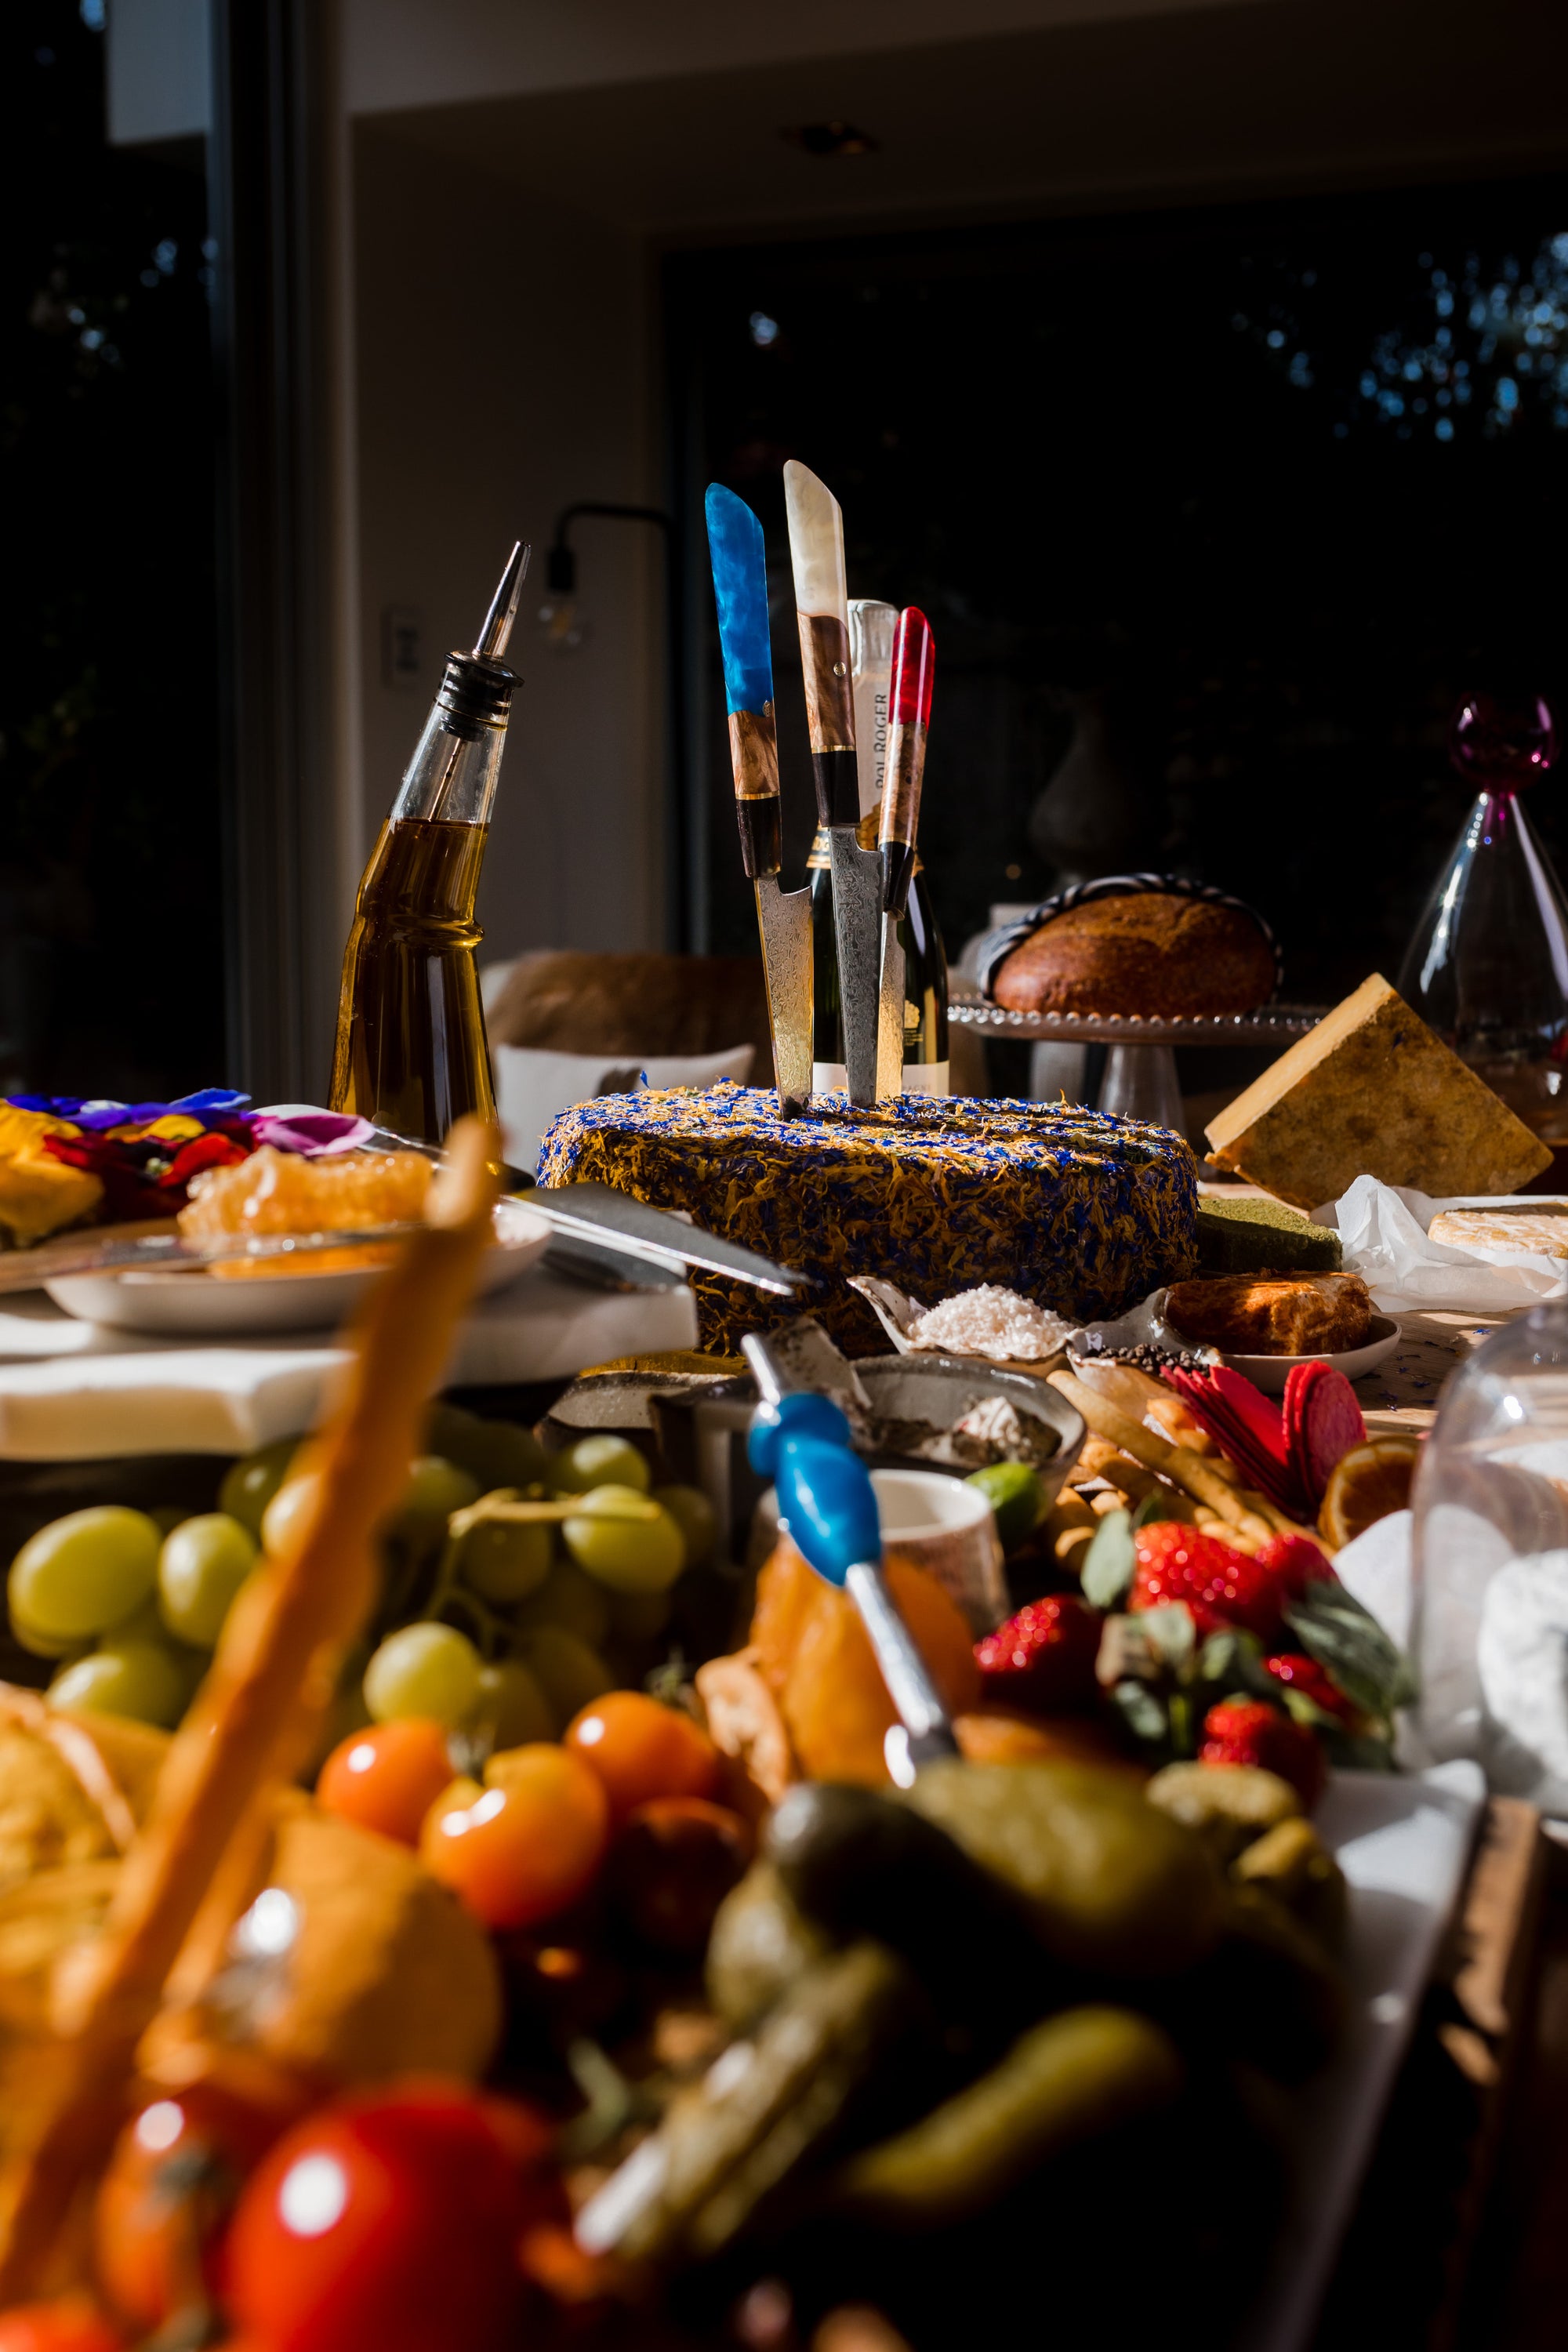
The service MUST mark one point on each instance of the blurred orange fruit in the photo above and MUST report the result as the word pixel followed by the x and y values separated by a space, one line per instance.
pixel 1366 1484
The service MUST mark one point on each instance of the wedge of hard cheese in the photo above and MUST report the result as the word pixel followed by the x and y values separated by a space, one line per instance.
pixel 1373 1092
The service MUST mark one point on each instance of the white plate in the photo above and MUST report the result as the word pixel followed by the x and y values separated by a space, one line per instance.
pixel 209 1306
pixel 1403 1843
pixel 1271 1373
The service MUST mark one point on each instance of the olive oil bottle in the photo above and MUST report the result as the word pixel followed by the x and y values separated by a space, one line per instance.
pixel 411 1052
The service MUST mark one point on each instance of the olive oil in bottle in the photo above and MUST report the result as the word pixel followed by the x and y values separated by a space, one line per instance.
pixel 410 1052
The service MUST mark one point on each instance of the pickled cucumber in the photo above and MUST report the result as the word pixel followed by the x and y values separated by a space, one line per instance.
pixel 762 2106
pixel 1071 2079
pixel 1110 1882
pixel 1291 1863
pixel 860 1864
pixel 1228 1805
pixel 760 1944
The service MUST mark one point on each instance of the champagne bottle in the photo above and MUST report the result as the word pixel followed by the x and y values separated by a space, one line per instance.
pixel 872 629
pixel 411 1052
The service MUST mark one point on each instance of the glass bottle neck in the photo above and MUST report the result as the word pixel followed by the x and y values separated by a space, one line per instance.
pixel 452 776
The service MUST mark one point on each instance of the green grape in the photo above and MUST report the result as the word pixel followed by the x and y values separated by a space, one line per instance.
pixel 509 1457
pixel 47 1645
pixel 568 1598
pixel 436 1488
pixel 202 1566
pixel 135 1679
pixel 598 1462
pixel 456 1436
pixel 569 1673
pixel 638 1616
pixel 511 1709
pixel 294 1497
pixel 505 1561
pixel 84 1572
pixel 695 1517
pixel 250 1484
pixel 145 1624
pixel 625 1540
pixel 425 1669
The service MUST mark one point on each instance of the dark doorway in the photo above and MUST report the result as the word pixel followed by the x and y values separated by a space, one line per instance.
pixel 1229 504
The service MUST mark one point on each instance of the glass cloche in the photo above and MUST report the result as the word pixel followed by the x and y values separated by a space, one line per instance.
pixel 1490 1622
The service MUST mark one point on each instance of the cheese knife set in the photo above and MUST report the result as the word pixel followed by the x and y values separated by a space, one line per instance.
pixel 870 887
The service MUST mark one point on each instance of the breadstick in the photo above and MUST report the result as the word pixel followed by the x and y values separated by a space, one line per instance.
pixel 278 1656
pixel 1187 1470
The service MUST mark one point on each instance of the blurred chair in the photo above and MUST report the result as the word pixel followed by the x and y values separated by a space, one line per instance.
pixel 565 1026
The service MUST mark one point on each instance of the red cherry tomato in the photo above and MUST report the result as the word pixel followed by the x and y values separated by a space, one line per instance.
pixel 385 2222
pixel 171 2184
pixel 70 2326
pixel 387 1776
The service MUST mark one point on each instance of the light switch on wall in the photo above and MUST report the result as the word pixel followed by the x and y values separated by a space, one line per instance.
pixel 402 630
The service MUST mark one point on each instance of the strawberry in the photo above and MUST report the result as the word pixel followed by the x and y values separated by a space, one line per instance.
pixel 1294 1562
pixel 1221 1587
pixel 1249 1731
pixel 1044 1657
pixel 1306 1676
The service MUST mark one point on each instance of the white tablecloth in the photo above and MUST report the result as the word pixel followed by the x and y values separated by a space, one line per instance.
pixel 75 1391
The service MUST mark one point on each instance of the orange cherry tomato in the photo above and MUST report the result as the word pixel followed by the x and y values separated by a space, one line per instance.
pixel 641 1750
pixel 70 2325
pixel 525 1847
pixel 387 1776
pixel 166 2195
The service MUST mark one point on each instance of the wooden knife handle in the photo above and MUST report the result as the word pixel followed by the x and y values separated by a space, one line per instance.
pixel 754 764
pixel 830 716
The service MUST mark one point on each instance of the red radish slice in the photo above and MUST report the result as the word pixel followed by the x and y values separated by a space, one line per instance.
pixel 1262 1467
pixel 1324 1421
pixel 1262 1417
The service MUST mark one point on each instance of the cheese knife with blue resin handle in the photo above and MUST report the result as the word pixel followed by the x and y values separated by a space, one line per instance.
pixel 784 916
pixel 822 606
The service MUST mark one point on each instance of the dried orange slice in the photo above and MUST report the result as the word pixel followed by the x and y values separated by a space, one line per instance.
pixel 1367 1483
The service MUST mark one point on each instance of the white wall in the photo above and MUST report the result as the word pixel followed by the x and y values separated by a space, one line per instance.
pixel 501 367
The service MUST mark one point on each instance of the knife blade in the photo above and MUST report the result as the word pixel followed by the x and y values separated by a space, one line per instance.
pixel 822 607
pixel 784 916
pixel 168 1251
pixel 914 675
pixel 598 1214
pixel 873 629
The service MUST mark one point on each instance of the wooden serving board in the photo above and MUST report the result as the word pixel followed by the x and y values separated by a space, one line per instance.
pixel 1418 2263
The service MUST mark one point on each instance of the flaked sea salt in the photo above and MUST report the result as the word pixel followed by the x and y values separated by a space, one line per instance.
pixel 998 1324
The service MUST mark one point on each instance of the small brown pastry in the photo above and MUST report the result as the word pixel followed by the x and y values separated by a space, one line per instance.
pixel 1150 952
pixel 1295 1314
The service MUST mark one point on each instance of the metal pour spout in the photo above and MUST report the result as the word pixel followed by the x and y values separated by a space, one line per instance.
pixel 492 641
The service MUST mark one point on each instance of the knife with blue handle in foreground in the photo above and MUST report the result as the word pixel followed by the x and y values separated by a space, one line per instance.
pixel 827 1507
pixel 784 916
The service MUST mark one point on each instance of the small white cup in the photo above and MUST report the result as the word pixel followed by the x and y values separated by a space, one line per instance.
pixel 945 1525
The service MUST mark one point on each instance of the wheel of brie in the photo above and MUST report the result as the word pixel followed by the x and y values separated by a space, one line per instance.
pixel 1540 1233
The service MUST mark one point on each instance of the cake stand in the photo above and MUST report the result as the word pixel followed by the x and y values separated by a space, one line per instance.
pixel 1140 1068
